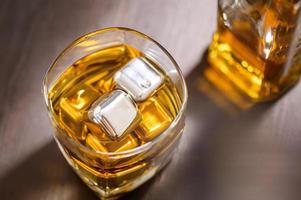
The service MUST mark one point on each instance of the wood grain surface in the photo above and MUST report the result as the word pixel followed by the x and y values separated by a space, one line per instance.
pixel 248 155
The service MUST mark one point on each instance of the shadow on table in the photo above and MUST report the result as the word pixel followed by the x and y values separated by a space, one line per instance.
pixel 41 175
pixel 46 173
pixel 222 156
pixel 231 152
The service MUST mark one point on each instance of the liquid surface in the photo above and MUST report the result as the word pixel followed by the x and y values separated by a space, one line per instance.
pixel 253 44
pixel 91 77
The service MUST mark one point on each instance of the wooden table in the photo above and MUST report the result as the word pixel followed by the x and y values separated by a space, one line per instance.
pixel 248 155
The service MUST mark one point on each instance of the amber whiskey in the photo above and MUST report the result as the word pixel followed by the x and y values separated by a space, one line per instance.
pixel 71 98
pixel 257 46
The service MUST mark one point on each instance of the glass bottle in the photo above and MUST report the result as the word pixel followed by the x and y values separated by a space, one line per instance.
pixel 257 46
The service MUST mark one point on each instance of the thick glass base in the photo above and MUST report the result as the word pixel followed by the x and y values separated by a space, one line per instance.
pixel 114 182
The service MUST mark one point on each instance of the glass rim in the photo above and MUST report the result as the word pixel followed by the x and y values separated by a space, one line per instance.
pixel 147 145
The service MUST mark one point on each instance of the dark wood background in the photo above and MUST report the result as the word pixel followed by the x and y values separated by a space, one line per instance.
pixel 241 155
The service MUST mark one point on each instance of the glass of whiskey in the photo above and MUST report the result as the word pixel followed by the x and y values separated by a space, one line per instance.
pixel 116 99
pixel 257 46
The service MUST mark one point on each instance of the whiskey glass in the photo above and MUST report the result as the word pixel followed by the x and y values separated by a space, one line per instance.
pixel 257 46
pixel 111 174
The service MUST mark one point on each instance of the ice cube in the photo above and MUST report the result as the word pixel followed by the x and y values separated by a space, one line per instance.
pixel 95 129
pixel 155 119
pixel 139 78
pixel 71 119
pixel 115 112
pixel 126 143
pixel 72 106
pixel 82 96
